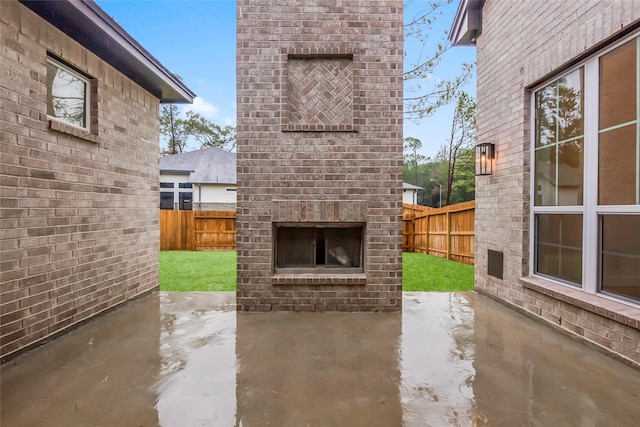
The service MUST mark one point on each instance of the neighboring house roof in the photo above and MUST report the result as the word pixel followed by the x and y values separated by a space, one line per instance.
pixel 206 166
pixel 86 23
pixel 407 186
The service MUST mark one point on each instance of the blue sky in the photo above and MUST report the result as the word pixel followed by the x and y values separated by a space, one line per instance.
pixel 196 39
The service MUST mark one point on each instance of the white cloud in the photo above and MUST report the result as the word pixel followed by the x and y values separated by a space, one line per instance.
pixel 204 108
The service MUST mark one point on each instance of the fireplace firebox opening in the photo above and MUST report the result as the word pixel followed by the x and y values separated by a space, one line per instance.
pixel 318 248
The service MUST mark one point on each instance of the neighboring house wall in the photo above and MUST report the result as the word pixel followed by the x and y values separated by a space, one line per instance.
pixel 409 197
pixel 223 194
pixel 206 197
pixel 520 44
pixel 211 173
pixel 80 220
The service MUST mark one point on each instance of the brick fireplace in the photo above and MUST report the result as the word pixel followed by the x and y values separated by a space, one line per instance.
pixel 319 89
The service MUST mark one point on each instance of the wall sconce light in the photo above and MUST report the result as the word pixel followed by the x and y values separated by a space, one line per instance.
pixel 485 154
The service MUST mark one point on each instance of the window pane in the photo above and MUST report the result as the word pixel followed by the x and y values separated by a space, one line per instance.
pixel 545 179
pixel 559 246
pixel 559 110
pixel 185 185
pixel 549 229
pixel 618 86
pixel 570 108
pixel 570 173
pixel 546 116
pixel 166 200
pixel 620 255
pixel 185 201
pixel 66 96
pixel 617 167
pixel 559 157
pixel 166 185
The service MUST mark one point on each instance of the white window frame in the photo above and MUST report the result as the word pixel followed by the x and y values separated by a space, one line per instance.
pixel 87 94
pixel 590 209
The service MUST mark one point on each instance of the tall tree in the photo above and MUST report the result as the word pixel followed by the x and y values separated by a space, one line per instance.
pixel 173 128
pixel 209 134
pixel 411 156
pixel 464 182
pixel 463 135
pixel 424 94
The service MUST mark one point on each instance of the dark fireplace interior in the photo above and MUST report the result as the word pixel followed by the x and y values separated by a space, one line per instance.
pixel 318 248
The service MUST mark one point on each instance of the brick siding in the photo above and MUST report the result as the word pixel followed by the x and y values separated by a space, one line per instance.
pixel 79 211
pixel 520 43
pixel 294 162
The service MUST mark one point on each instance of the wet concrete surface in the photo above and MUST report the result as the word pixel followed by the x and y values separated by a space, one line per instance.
pixel 188 359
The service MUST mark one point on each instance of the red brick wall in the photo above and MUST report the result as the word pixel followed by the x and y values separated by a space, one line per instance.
pixel 296 157
pixel 79 212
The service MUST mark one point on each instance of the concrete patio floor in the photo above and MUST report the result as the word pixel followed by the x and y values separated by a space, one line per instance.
pixel 188 359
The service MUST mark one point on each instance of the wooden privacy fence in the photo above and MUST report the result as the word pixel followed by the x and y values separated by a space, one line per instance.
pixel 197 230
pixel 446 232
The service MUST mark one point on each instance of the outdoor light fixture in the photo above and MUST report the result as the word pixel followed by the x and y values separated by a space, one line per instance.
pixel 485 154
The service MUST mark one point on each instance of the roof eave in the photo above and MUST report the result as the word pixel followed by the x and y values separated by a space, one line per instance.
pixel 467 23
pixel 85 22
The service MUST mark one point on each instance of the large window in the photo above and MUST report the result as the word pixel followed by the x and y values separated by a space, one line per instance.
pixel 178 198
pixel 586 181
pixel 67 95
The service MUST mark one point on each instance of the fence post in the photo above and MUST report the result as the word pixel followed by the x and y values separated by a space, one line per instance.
pixel 448 230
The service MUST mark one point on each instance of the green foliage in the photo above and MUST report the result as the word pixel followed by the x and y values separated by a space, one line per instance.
pixel 462 138
pixel 193 271
pixel 464 182
pixel 411 157
pixel 423 94
pixel 453 167
pixel 209 134
pixel 422 272
pixel 173 129
pixel 177 131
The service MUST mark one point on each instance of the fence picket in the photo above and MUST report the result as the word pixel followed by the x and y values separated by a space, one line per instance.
pixel 446 232
pixel 197 230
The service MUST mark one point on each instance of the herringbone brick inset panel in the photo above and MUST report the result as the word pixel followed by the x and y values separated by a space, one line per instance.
pixel 320 91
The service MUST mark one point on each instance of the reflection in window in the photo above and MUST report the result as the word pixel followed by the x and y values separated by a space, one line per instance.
pixel 559 156
pixel 620 255
pixel 66 95
pixel 609 212
pixel 617 166
pixel 619 156
pixel 559 247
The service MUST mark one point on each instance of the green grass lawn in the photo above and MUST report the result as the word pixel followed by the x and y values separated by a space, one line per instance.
pixel 198 271
pixel 422 272
pixel 216 271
